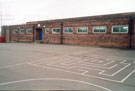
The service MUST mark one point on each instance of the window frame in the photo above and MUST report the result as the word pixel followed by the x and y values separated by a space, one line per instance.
pixel 14 32
pixel 99 32
pixel 20 31
pixel 47 32
pixel 67 32
pixel 82 32
pixel 27 31
pixel 119 30
pixel 56 32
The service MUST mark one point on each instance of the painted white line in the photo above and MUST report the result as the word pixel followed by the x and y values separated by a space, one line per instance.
pixel 83 72
pixel 113 66
pixel 121 70
pixel 71 80
pixel 12 65
pixel 128 76
pixel 74 72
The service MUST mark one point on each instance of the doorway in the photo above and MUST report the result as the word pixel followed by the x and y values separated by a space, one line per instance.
pixel 38 34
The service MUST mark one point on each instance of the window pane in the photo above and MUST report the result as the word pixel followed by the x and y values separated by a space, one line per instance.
pixel 29 31
pixel 65 30
pixel 79 30
pixel 115 29
pixel 83 30
pixel 96 29
pixel 70 30
pixel 56 30
pixel 47 30
pixel 124 29
pixel 15 31
pixel 102 29
pixel 21 31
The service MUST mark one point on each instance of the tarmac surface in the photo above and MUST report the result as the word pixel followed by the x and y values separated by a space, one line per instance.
pixel 31 66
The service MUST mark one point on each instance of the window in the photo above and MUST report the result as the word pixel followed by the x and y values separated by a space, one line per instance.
pixel 99 29
pixel 47 30
pixel 68 30
pixel 29 31
pixel 21 31
pixel 82 30
pixel 56 30
pixel 15 31
pixel 120 29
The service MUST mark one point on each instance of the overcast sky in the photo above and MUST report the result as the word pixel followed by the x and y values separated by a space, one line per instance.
pixel 21 11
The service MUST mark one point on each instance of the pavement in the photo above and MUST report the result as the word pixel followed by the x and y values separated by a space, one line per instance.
pixel 31 66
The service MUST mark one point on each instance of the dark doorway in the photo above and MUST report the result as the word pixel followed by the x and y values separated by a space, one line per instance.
pixel 38 34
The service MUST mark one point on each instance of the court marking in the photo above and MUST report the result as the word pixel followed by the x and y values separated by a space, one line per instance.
pixel 128 64
pixel 85 71
pixel 73 72
pixel 38 79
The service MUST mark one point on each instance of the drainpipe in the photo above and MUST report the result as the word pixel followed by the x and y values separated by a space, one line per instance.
pixel 33 31
pixel 130 32
pixel 61 32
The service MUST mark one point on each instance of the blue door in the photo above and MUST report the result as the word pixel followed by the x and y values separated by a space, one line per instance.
pixel 40 34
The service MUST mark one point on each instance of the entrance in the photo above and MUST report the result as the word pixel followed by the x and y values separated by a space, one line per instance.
pixel 38 34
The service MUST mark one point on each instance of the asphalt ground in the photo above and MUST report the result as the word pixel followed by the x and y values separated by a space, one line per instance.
pixel 30 66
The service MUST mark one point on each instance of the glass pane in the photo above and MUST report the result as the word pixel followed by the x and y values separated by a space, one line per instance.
pixel 79 30
pixel 115 29
pixel 58 30
pixel 85 30
pixel 22 31
pixel 65 30
pixel 124 29
pixel 96 29
pixel 15 31
pixel 70 30
pixel 102 29
pixel 29 31
pixel 47 30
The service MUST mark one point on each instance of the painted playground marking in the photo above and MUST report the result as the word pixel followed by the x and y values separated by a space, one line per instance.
pixel 102 69
pixel 56 79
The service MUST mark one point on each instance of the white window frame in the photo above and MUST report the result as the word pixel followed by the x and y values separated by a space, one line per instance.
pixel 68 32
pixel 28 32
pixel 14 32
pixel 82 32
pixel 47 32
pixel 56 32
pixel 99 26
pixel 20 31
pixel 119 26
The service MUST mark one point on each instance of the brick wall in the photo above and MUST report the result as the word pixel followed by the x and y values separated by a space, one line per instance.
pixel 108 39
pixel 21 37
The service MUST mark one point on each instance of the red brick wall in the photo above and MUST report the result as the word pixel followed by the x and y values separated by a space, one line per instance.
pixel 52 38
pixel 21 37
pixel 109 39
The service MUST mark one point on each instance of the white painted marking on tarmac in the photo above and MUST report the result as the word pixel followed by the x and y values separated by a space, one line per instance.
pixel 12 65
pixel 121 70
pixel 127 76
pixel 26 80
pixel 73 72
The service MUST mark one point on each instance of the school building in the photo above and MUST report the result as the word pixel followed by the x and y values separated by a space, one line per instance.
pixel 114 30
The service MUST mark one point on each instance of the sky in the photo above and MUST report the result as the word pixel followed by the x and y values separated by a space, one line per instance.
pixel 22 11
